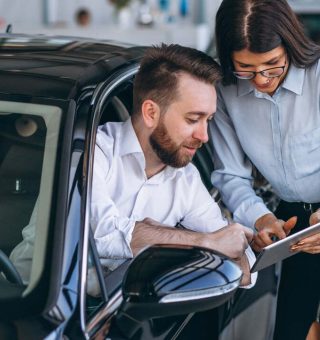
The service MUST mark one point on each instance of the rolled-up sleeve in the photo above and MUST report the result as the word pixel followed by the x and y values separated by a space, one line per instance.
pixel 112 232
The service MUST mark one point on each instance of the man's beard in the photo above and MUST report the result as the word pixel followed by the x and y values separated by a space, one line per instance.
pixel 167 150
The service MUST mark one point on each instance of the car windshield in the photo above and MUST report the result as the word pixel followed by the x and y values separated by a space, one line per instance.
pixel 28 148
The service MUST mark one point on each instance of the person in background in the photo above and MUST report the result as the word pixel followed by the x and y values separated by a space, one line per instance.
pixel 83 17
pixel 268 115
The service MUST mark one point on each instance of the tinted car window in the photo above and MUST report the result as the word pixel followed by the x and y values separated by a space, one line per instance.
pixel 28 148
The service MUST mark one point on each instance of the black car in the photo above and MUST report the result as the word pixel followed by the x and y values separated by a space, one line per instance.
pixel 54 92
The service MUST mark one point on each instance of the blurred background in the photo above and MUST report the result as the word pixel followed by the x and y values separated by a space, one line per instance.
pixel 144 22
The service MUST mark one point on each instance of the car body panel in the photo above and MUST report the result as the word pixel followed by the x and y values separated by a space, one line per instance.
pixel 58 67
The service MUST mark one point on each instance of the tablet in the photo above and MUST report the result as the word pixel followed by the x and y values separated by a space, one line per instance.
pixel 280 250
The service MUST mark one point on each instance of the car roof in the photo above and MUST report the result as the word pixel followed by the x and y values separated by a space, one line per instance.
pixel 59 66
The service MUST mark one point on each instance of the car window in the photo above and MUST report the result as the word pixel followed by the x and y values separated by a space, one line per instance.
pixel 28 149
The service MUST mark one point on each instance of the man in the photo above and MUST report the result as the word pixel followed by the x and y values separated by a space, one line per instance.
pixel 143 182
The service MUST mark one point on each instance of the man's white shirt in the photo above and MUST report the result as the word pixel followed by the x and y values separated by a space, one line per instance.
pixel 123 195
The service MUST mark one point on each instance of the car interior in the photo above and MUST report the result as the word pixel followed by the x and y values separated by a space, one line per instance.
pixel 21 148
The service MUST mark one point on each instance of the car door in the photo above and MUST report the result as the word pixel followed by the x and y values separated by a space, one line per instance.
pixel 36 137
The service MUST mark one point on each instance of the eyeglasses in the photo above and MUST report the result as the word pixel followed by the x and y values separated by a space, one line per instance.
pixel 272 72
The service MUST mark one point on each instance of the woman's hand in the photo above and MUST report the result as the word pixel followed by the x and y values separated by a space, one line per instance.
pixel 315 217
pixel 268 227
pixel 310 244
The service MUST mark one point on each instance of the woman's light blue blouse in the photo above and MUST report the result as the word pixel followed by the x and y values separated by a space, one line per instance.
pixel 280 135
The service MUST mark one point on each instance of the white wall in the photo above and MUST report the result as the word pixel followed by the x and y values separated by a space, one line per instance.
pixel 61 14
pixel 32 12
pixel 20 11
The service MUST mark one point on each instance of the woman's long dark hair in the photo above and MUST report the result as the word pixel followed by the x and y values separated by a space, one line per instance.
pixel 260 26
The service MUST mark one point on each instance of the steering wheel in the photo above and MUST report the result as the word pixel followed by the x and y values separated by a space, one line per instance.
pixel 9 270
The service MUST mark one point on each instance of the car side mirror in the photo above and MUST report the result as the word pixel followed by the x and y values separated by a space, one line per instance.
pixel 165 280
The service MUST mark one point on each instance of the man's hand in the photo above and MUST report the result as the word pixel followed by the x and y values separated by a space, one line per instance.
pixel 231 240
pixel 243 263
pixel 268 226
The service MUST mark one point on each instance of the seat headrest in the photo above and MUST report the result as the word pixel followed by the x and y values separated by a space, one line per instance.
pixel 25 127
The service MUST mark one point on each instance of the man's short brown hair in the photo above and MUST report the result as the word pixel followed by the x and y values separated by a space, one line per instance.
pixel 157 78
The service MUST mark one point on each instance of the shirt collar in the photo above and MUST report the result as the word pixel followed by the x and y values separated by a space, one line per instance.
pixel 131 145
pixel 293 82
pixel 129 142
pixel 294 79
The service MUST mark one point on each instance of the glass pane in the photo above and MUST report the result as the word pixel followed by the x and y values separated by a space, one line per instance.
pixel 28 148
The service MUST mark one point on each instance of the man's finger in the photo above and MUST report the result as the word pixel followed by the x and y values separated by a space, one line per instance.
pixel 289 224
pixel 256 244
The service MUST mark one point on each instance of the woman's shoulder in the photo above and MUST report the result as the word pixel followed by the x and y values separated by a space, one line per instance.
pixel 226 89
pixel 317 67
pixel 314 69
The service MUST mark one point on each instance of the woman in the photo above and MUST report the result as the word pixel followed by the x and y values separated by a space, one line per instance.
pixel 268 116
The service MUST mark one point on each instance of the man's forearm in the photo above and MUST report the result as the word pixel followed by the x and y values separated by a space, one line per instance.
pixel 149 232
pixel 231 240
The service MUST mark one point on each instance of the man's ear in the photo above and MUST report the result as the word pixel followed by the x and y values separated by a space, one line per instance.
pixel 150 113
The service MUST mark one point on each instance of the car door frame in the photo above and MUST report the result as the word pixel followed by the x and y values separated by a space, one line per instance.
pixel 102 93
